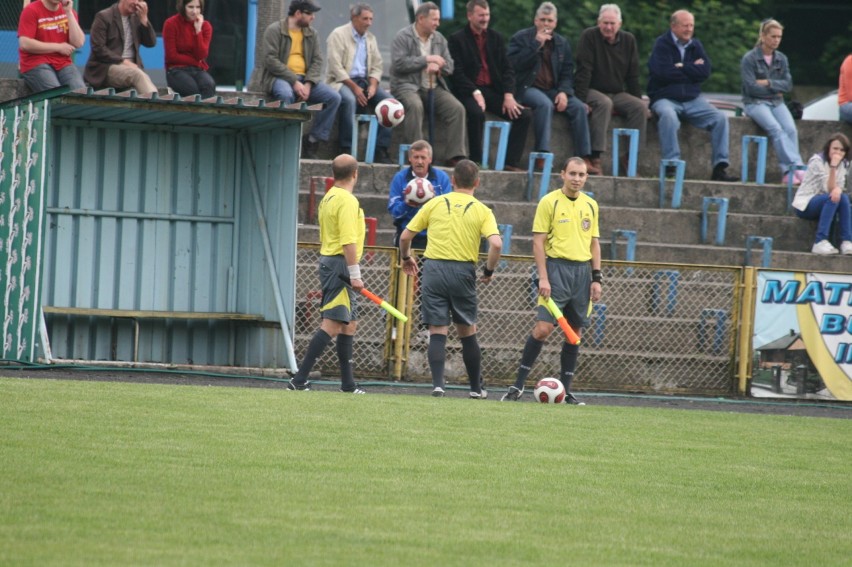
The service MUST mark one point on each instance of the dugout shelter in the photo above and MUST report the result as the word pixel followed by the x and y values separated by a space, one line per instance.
pixel 149 229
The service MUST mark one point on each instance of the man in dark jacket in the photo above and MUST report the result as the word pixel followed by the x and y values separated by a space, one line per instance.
pixel 545 81
pixel 483 79
pixel 678 65
pixel 607 79
pixel 115 61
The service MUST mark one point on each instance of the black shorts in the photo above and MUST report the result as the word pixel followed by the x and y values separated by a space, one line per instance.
pixel 448 288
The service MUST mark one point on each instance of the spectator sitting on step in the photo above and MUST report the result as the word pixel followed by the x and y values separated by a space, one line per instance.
pixel 420 158
pixel 420 61
pixel 766 77
pixel 186 40
pixel 821 196
pixel 115 37
pixel 544 70
pixel 844 90
pixel 483 79
pixel 291 70
pixel 678 65
pixel 48 34
pixel 607 79
pixel 355 70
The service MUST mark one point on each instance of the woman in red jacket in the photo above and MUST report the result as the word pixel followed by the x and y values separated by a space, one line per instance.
pixel 186 37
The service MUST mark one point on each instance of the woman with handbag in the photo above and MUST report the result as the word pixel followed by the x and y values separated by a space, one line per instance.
pixel 766 78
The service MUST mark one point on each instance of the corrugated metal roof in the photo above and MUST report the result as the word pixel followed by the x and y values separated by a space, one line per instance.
pixel 231 113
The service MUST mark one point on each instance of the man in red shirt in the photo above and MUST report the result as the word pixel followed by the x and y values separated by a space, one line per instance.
pixel 48 33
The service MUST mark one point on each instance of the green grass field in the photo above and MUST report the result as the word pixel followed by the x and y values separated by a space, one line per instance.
pixel 116 474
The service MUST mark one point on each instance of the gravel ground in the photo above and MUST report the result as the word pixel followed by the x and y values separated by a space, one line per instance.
pixel 837 410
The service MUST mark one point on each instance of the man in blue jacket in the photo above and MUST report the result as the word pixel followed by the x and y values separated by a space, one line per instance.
pixel 544 75
pixel 678 65
pixel 420 158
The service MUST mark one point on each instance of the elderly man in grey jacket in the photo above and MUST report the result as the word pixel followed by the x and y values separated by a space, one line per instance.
pixel 291 76
pixel 420 61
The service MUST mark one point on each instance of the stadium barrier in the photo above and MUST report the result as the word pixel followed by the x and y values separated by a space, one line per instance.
pixel 644 348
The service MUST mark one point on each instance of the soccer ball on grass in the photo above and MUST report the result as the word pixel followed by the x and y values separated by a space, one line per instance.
pixel 418 191
pixel 549 391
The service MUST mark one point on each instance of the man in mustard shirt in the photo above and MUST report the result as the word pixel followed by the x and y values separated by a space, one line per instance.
pixel 341 222
pixel 291 70
pixel 456 221
pixel 567 254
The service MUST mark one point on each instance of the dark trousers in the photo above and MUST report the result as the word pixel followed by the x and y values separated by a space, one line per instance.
pixel 188 81
pixel 476 124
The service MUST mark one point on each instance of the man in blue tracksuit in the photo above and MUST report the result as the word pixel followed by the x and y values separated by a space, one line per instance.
pixel 420 158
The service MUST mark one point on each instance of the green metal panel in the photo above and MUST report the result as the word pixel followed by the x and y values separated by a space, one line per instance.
pixel 149 206
pixel 22 169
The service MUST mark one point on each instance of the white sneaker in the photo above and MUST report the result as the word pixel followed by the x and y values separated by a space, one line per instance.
pixel 824 248
pixel 438 392
pixel 846 247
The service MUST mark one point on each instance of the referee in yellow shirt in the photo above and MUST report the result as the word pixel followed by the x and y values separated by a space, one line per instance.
pixel 341 222
pixel 567 254
pixel 456 221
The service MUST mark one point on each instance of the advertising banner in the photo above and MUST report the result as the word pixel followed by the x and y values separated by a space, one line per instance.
pixel 803 336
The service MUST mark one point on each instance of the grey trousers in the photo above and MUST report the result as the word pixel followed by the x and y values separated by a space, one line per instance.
pixel 634 110
pixel 450 121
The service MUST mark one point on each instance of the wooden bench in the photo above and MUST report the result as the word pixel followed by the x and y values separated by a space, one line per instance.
pixel 136 315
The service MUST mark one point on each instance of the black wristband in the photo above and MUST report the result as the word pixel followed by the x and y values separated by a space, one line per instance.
pixel 596 276
pixel 406 258
pixel 486 272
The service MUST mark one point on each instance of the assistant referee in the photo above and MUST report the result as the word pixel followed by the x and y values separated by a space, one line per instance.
pixel 456 222
pixel 342 229
pixel 567 250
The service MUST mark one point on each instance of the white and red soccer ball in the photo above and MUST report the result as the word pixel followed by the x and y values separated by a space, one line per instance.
pixel 390 112
pixel 418 191
pixel 549 391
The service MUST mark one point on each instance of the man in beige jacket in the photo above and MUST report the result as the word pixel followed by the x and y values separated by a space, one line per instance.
pixel 355 70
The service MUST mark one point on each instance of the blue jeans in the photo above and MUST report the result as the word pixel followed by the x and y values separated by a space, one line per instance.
pixel 320 94
pixel 700 114
pixel 821 208
pixel 542 106
pixel 778 123
pixel 846 112
pixel 348 106
pixel 44 77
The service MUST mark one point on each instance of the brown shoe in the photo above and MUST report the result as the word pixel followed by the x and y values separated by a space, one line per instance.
pixel 593 165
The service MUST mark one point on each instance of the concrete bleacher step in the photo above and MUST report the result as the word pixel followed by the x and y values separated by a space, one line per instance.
pixel 667 252
pixel 640 192
pixel 663 234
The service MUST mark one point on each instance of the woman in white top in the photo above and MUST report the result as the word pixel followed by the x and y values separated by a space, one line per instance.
pixel 821 196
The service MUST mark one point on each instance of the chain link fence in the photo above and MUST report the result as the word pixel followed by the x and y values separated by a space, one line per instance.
pixel 658 328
